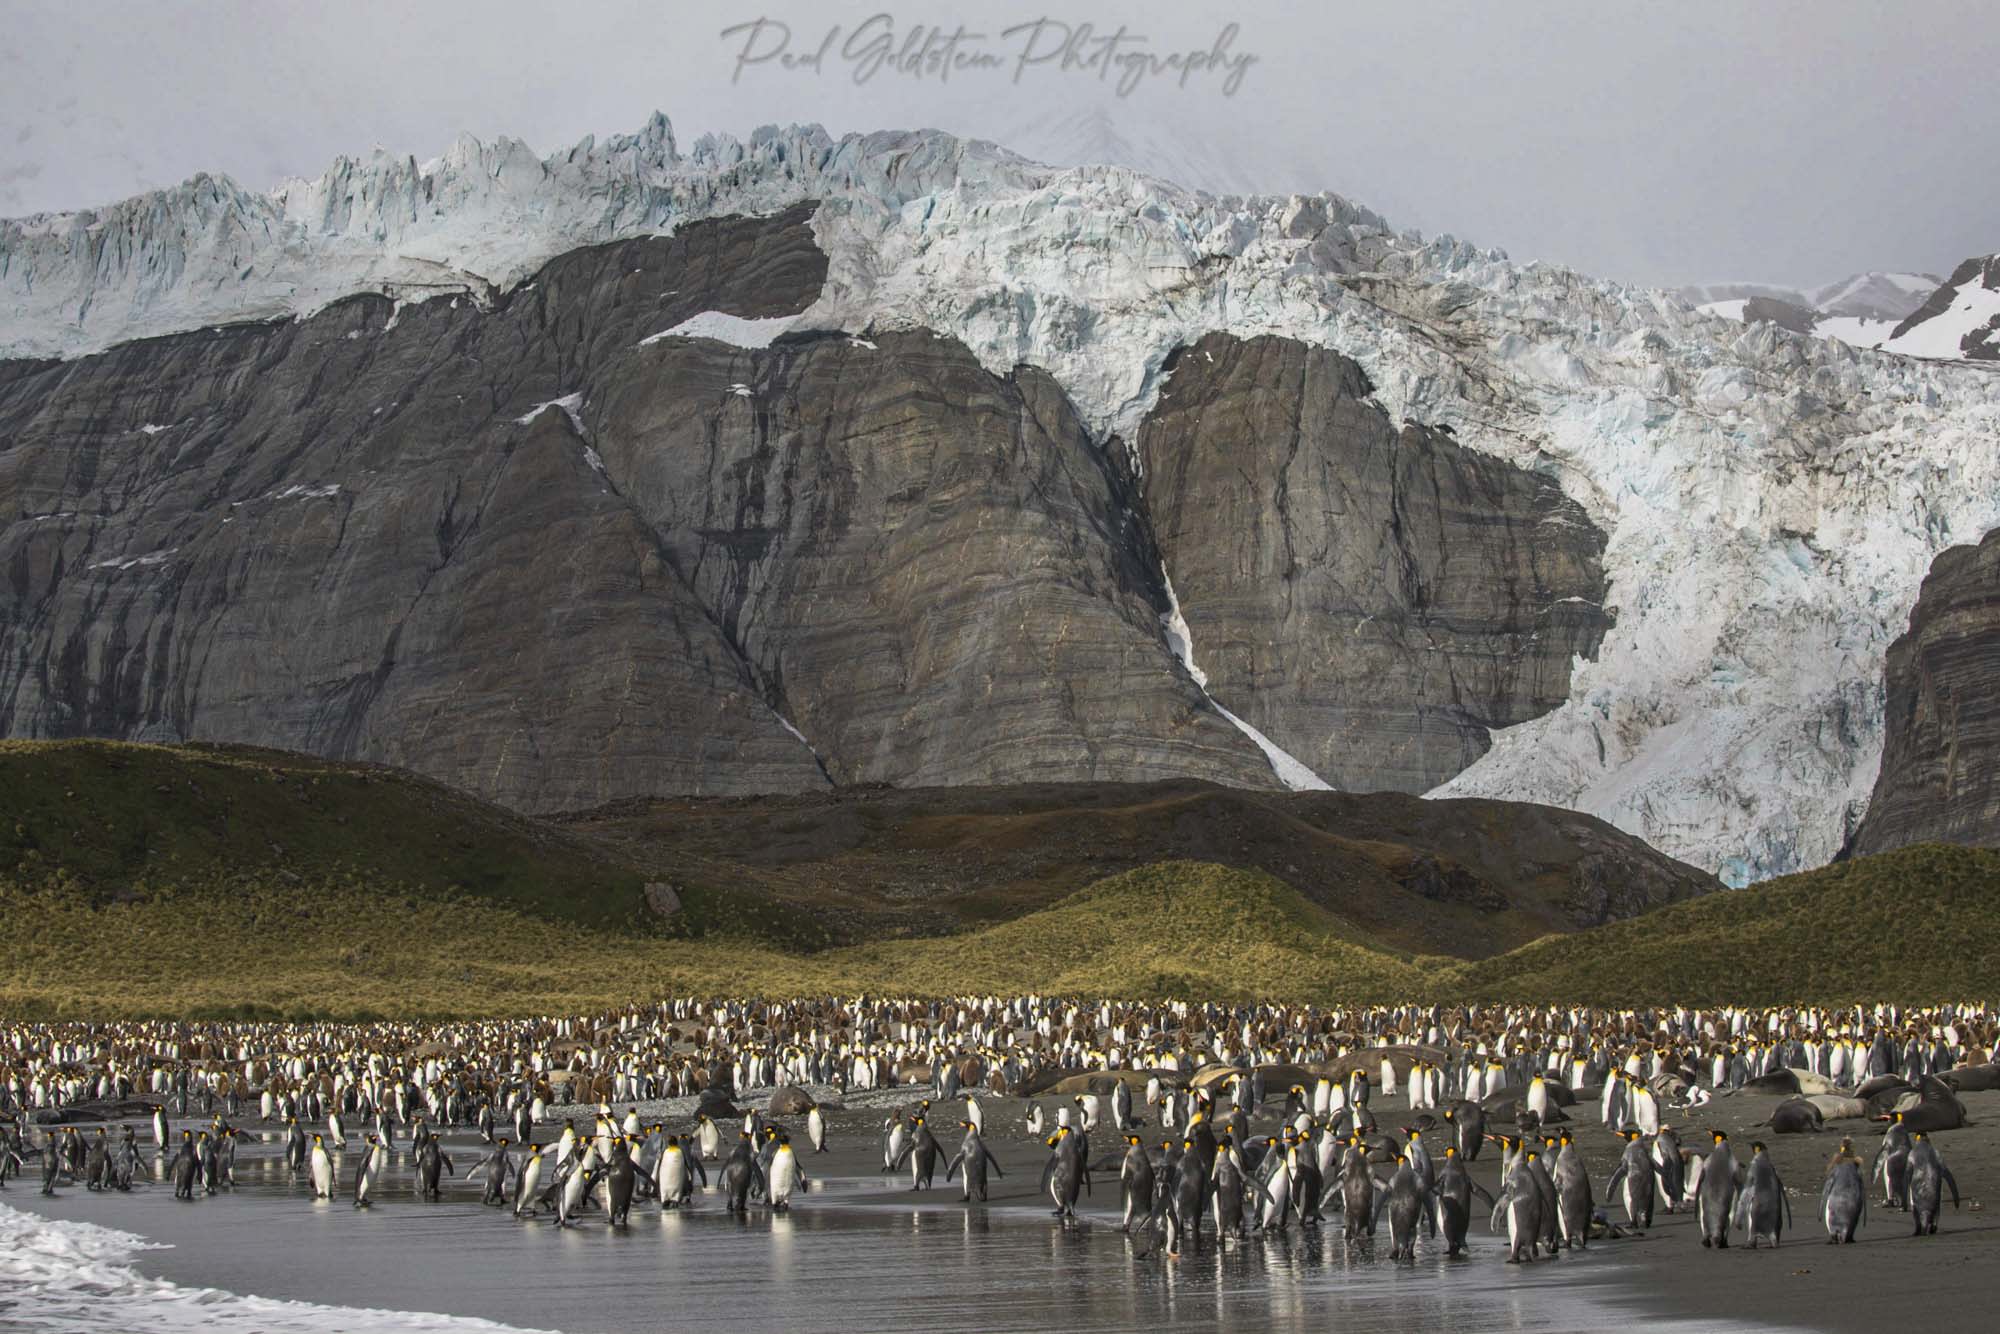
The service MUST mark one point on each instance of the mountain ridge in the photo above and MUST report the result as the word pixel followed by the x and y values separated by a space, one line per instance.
pixel 1770 502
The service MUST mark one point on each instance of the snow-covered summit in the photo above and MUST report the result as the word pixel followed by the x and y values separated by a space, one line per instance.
pixel 1772 501
pixel 1961 319
pixel 1861 310
pixel 1874 295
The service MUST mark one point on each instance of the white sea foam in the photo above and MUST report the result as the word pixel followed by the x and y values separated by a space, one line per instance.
pixel 58 1276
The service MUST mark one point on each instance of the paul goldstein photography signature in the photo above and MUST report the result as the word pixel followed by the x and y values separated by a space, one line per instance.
pixel 878 44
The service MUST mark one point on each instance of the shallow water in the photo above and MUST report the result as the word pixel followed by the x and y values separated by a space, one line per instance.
pixel 857 1253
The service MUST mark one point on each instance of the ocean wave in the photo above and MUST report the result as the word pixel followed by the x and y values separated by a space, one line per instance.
pixel 63 1277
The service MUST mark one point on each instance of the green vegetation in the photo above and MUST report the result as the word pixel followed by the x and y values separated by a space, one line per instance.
pixel 1463 878
pixel 110 822
pixel 1173 929
pixel 213 882
pixel 346 951
pixel 1915 924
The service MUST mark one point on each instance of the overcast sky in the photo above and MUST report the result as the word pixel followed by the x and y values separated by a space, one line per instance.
pixel 1664 143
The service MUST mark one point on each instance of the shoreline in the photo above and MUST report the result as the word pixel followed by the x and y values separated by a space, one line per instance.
pixel 266 1242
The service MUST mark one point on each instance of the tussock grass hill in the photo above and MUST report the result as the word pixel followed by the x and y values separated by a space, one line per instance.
pixel 343 950
pixel 110 822
pixel 349 950
pixel 1919 923
pixel 213 882
pixel 1466 877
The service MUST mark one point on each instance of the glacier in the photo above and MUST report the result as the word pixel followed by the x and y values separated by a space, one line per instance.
pixel 1772 501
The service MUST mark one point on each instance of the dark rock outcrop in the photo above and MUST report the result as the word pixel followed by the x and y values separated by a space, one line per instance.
pixel 1374 600
pixel 1940 776
pixel 1770 310
pixel 527 552
pixel 1981 342
pixel 934 568
pixel 337 536
pixel 535 552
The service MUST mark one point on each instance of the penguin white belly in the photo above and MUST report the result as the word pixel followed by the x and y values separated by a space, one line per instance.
pixel 783 1178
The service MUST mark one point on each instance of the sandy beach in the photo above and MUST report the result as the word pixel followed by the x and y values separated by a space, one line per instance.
pixel 865 1245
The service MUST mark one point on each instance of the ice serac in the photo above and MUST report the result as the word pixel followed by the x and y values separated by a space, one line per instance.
pixel 1940 777
pixel 1375 598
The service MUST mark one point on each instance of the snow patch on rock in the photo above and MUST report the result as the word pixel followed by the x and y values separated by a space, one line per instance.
pixel 1292 772
pixel 571 406
pixel 1973 307
pixel 147 561
pixel 727 328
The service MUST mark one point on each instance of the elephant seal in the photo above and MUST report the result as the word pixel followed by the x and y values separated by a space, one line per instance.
pixel 1972 1078
pixel 1937 1108
pixel 1834 1107
pixel 1796 1116
pixel 790 1100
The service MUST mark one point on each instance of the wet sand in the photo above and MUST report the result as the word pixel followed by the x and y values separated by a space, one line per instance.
pixel 863 1251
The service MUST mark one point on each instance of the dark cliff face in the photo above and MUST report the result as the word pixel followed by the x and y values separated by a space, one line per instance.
pixel 1981 343
pixel 1375 600
pixel 1940 776
pixel 346 541
pixel 528 552
pixel 932 566
pixel 334 536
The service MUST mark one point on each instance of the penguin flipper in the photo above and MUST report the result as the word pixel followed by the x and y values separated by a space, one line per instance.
pixel 1949 1180
pixel 994 1163
pixel 952 1166
pixel 1480 1191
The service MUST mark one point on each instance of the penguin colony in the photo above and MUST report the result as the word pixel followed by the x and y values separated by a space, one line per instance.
pixel 1163 1095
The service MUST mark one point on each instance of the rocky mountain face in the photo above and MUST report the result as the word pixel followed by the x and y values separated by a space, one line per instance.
pixel 1862 310
pixel 1874 295
pixel 354 536
pixel 1379 598
pixel 1940 776
pixel 1768 503
pixel 621 535
pixel 1960 319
